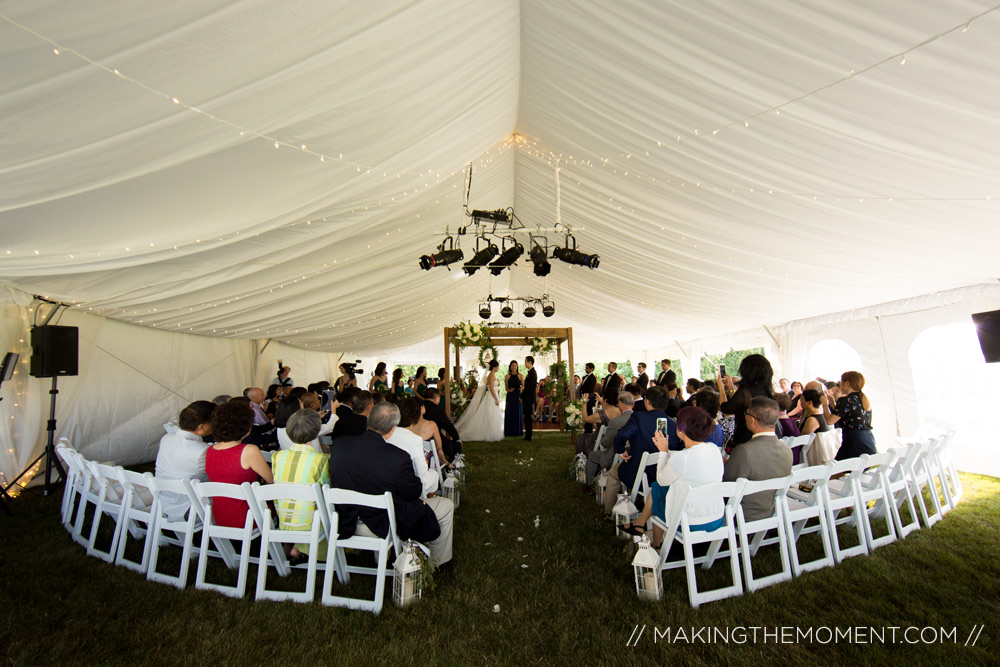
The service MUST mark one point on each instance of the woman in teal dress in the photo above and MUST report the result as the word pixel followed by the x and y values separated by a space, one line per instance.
pixel 380 380
pixel 398 387
pixel 420 382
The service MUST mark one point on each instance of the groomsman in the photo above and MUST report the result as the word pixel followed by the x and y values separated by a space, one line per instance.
pixel 666 375
pixel 588 389
pixel 528 394
pixel 643 380
pixel 612 380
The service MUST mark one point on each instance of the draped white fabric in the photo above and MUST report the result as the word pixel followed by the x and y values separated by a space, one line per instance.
pixel 248 170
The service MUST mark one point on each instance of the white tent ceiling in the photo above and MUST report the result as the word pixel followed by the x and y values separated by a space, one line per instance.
pixel 261 169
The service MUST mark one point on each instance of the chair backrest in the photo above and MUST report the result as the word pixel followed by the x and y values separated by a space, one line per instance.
pixel 647 459
pixel 203 493
pixel 171 427
pixel 684 497
pixel 600 436
pixel 294 504
pixel 383 501
pixel 778 486
pixel 167 490
pixel 138 486
pixel 107 478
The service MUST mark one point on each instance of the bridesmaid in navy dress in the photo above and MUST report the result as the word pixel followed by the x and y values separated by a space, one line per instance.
pixel 513 419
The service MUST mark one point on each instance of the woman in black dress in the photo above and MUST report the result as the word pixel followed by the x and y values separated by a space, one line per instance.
pixel 853 416
pixel 513 418
pixel 756 378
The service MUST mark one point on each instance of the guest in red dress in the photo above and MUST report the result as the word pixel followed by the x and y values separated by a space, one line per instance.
pixel 232 462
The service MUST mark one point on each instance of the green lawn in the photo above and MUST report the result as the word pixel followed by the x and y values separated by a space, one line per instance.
pixel 573 604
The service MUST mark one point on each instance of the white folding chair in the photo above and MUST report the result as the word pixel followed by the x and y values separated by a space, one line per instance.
pixel 799 508
pixel 380 545
pixel 183 531
pixel 435 462
pixel 874 495
pixel 900 491
pixel 297 506
pixel 823 447
pixel 918 474
pixel 221 536
pixel 137 519
pixel 678 528
pixel 598 447
pixel 641 484
pixel 802 443
pixel 72 491
pixel 844 494
pixel 110 499
pixel 752 534
pixel 951 485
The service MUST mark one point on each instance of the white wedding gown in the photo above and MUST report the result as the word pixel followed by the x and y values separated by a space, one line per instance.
pixel 482 421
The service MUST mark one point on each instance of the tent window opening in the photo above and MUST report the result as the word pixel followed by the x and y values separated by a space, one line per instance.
pixel 829 358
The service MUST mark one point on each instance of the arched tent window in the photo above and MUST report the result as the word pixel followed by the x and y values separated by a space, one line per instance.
pixel 956 388
pixel 829 358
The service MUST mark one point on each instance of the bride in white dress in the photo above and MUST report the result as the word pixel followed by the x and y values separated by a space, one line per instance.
pixel 482 421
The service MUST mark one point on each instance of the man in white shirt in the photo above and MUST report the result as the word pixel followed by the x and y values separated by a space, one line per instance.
pixel 412 444
pixel 182 454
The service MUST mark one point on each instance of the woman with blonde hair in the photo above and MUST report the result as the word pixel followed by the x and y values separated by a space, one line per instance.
pixel 853 415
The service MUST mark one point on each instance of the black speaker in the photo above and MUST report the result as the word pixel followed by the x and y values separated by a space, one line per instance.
pixel 988 330
pixel 54 351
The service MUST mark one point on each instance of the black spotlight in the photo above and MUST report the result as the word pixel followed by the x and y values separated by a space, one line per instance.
pixel 529 310
pixel 507 258
pixel 549 309
pixel 481 258
pixel 507 310
pixel 484 311
pixel 574 256
pixel 443 258
pixel 540 259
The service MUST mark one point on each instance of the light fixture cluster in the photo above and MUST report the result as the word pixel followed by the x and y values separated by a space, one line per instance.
pixel 530 305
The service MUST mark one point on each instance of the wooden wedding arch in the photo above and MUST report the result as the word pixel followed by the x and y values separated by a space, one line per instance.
pixel 514 337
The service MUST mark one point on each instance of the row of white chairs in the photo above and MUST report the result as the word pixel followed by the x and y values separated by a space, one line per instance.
pixel 135 503
pixel 873 489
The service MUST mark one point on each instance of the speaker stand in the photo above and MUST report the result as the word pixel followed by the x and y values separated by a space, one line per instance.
pixel 51 460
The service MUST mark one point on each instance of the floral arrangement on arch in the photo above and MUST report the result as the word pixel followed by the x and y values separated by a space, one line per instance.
pixel 468 334
pixel 458 399
pixel 573 415
pixel 540 345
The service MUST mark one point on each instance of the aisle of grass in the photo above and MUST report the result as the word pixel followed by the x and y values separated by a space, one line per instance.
pixel 574 603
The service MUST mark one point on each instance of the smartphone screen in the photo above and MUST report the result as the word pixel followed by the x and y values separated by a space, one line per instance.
pixel 661 425
pixel 722 370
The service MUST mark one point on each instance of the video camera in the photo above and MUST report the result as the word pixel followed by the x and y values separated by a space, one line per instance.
pixel 352 368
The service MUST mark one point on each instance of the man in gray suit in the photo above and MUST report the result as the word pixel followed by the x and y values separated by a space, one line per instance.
pixel 602 460
pixel 761 457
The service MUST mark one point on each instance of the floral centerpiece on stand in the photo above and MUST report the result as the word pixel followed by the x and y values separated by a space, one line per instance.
pixel 541 346
pixel 458 399
pixel 573 415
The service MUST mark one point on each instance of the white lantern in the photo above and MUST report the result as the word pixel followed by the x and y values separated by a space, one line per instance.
pixel 624 512
pixel 408 576
pixel 581 468
pixel 451 491
pixel 459 463
pixel 602 484
pixel 646 564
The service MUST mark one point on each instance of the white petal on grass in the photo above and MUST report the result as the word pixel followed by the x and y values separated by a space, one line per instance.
pixel 496 609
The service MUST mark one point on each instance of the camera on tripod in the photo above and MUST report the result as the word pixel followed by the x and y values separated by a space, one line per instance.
pixel 352 368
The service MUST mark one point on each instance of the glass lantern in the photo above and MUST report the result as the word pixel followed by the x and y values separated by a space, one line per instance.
pixel 646 564
pixel 624 512
pixel 451 491
pixel 408 576
pixel 581 468
pixel 602 484
pixel 459 463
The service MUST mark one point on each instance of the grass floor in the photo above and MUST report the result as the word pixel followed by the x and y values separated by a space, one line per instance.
pixel 574 603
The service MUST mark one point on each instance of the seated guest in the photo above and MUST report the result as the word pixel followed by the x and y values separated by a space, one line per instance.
pixel 761 457
pixel 413 445
pixel 699 463
pixel 813 420
pixel 639 402
pixel 287 407
pixel 300 464
pixel 605 410
pixel 599 460
pixel 674 401
pixel 354 420
pixel 787 428
pixel 451 442
pixel 182 454
pixel 270 404
pixel 222 398
pixel 708 400
pixel 795 410
pixel 231 461
pixel 638 434
pixel 297 392
pixel 256 397
pixel 368 464
pixel 428 430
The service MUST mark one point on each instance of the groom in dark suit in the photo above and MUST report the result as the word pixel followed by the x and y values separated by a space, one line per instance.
pixel 528 394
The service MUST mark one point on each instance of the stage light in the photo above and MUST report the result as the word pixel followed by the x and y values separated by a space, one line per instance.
pixel 507 258
pixel 529 311
pixel 574 256
pixel 480 259
pixel 484 311
pixel 549 309
pixel 443 258
pixel 540 259
pixel 507 310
